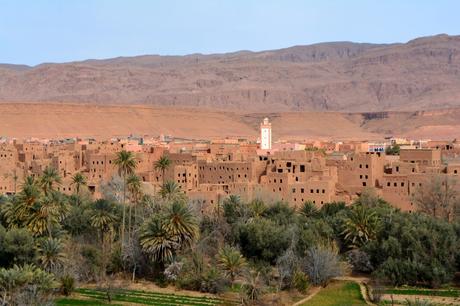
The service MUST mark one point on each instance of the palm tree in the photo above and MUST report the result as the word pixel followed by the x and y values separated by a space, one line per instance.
pixel 156 241
pixel 165 233
pixel 103 217
pixel 171 191
pixel 44 214
pixel 78 180
pixel 232 262
pixel 127 164
pixel 360 226
pixel 258 208
pixel 51 255
pixel 252 287
pixel 163 164
pixel 309 210
pixel 49 178
pixel 133 183
pixel 181 223
pixel 17 211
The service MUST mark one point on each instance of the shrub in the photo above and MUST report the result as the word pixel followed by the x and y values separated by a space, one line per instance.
pixel 287 264
pixel 67 285
pixel 300 282
pixel 26 285
pixel 253 287
pixel 17 247
pixel 173 271
pixel 360 261
pixel 418 302
pixel 263 239
pixel 212 281
pixel 322 264
pixel 376 290
pixel 91 264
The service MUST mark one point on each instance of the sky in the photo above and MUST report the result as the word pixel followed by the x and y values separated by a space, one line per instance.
pixel 37 31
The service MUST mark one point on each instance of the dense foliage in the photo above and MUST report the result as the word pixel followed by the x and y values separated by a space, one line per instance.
pixel 54 241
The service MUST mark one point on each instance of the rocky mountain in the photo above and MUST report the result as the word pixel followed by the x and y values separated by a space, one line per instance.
pixel 422 74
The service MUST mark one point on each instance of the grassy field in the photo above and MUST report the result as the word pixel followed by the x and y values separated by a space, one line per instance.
pixel 123 297
pixel 340 293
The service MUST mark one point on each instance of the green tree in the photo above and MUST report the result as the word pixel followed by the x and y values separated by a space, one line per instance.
pixel 157 241
pixel 127 164
pixel 414 249
pixel 104 217
pixel 164 233
pixel 17 246
pixel 49 178
pixel 232 262
pixel 134 186
pixel 79 181
pixel 263 239
pixel 171 191
pixel 51 254
pixel 162 164
pixel 309 210
pixel 393 150
pixel 47 213
pixel 17 211
pixel 361 225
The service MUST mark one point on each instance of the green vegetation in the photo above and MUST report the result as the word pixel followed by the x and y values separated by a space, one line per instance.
pixel 58 242
pixel 338 294
pixel 101 297
pixel 393 150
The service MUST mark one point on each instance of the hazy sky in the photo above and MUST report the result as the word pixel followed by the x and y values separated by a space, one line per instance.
pixel 37 31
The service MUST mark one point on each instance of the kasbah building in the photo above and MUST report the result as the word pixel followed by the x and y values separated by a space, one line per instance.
pixel 210 171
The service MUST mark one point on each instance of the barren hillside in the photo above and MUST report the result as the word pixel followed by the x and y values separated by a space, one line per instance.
pixel 423 74
pixel 48 120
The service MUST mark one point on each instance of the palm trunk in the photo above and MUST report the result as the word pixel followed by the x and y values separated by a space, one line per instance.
pixel 134 271
pixel 48 226
pixel 104 262
pixel 129 223
pixel 78 196
pixel 124 212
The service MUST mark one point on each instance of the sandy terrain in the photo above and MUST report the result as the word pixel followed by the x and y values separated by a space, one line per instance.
pixel 48 120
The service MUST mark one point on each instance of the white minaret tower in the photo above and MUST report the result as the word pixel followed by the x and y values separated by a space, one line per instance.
pixel 266 135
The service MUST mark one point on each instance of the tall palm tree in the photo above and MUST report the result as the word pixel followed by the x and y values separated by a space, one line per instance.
pixel 360 226
pixel 49 178
pixel 78 180
pixel 133 184
pixel 51 254
pixel 171 191
pixel 162 164
pixel 127 163
pixel 103 217
pixel 232 262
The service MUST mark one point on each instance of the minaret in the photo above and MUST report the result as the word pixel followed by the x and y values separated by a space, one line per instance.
pixel 266 135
